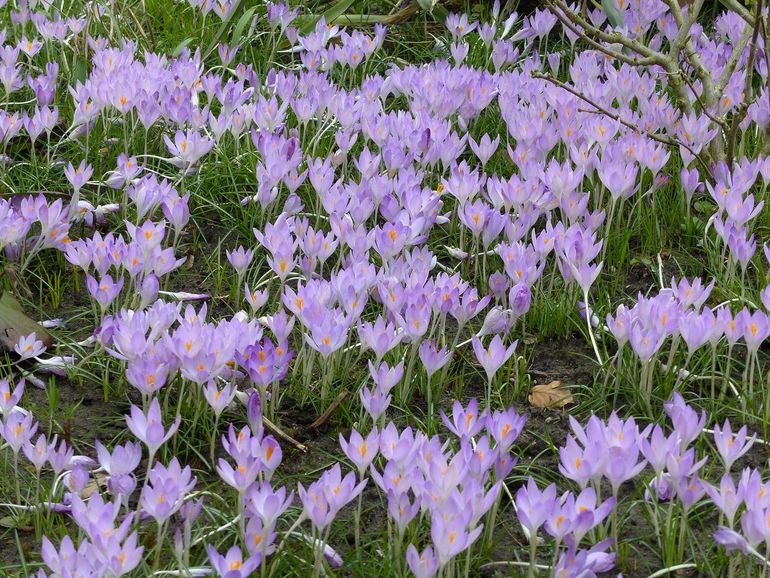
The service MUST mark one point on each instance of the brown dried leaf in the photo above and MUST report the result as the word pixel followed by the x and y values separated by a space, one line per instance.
pixel 95 485
pixel 551 395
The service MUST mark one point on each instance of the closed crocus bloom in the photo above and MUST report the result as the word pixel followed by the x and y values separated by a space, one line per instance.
pixel 240 259
pixel 385 377
pixel 374 401
pixel 520 299
pixel 122 460
pixel 657 448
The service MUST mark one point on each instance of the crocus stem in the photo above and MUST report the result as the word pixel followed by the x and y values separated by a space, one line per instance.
pixel 158 547
pixel 532 556
pixel 16 476
pixel 590 329
pixel 682 535
pixel 357 520
pixel 214 439
pixel 429 399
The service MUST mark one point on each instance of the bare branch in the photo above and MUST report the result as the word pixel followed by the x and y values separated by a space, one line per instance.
pixel 611 37
pixel 599 46
pixel 601 110
pixel 683 39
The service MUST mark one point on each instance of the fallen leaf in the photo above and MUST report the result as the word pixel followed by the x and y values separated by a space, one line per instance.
pixel 95 485
pixel 15 324
pixel 551 395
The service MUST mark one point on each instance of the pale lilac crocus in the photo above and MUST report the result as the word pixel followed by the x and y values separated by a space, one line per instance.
pixel 148 427
pixel 29 346
pixel 732 446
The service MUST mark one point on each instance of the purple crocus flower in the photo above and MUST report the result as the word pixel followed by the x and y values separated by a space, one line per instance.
pixel 10 398
pixel 359 450
pixel 78 176
pixel 240 258
pixel 385 377
pixel 422 565
pixel 325 497
pixel 29 346
pixel 533 506
pixel 17 429
pixel 466 422
pixel 104 291
pixel 432 358
pixel 148 427
pixel 732 446
pixel 493 357
pixel 505 427
pixel 686 421
pixel 232 564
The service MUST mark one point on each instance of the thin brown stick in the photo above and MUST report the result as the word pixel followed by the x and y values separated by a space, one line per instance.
pixel 601 110
pixel 333 407
pixel 283 435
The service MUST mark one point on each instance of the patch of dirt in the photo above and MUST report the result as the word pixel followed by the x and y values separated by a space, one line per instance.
pixel 569 361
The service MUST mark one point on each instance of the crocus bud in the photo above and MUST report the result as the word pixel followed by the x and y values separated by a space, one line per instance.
pixel 254 414
pixel 520 298
pixel 149 291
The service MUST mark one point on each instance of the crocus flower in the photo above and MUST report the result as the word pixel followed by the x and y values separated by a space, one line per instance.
pixel 149 427
pixel 29 346
pixel 493 357
pixel 10 398
pixel 218 399
pixel 732 446
pixel 240 259
pixel 726 497
pixel 466 422
pixel 433 358
pixel 423 565
pixel 323 498
pixel 359 450
pixel 232 564
pixel 685 419
pixel 17 429
pixel 533 506
pixel 104 291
